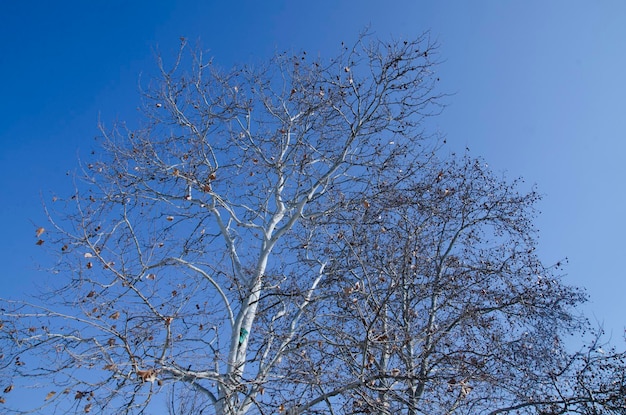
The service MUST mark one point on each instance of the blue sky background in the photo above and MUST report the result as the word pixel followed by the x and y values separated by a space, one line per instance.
pixel 539 90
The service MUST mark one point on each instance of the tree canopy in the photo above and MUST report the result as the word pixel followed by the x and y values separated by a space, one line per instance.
pixel 287 238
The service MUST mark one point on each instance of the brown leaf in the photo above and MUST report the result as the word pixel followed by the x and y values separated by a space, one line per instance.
pixel 50 395
pixel 170 218
pixel 91 294
pixel 79 395
pixel 150 277
pixel 88 407
pixel 39 242
pixel 39 231
pixel 2 400
pixel 8 389
pixel 111 342
pixel 89 265
pixel 115 315
pixel 147 375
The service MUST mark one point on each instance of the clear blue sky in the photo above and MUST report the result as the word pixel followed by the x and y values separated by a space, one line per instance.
pixel 539 92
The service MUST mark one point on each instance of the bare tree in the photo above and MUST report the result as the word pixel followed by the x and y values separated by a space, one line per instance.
pixel 177 263
pixel 438 303
pixel 282 239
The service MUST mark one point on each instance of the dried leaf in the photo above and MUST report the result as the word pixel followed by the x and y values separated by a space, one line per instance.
pixel 8 389
pixel 79 395
pixel 91 294
pixel 111 342
pixel 88 407
pixel 88 255
pixel 50 395
pixel 150 277
pixel 39 231
pixel 89 265
pixel 115 315
pixel 147 375
pixel 39 242
pixel 170 218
